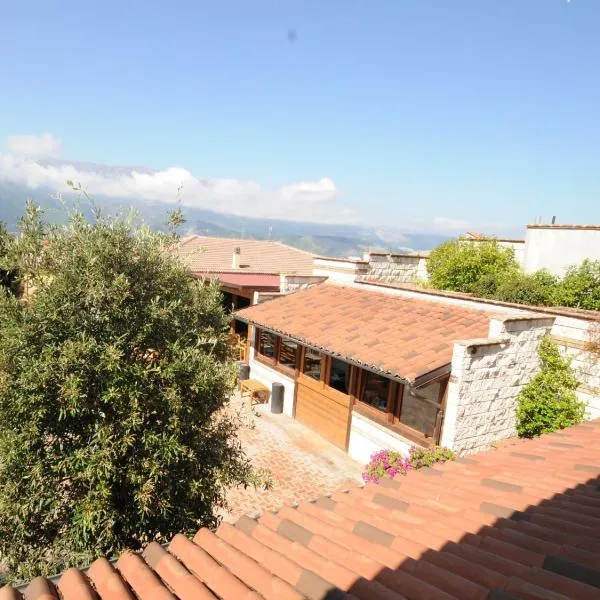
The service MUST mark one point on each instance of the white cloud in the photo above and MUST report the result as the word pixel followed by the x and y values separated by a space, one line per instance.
pixel 449 224
pixel 302 201
pixel 45 144
pixel 313 191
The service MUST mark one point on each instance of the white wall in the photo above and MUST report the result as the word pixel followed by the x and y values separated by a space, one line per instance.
pixel 486 378
pixel 268 376
pixel 339 270
pixel 367 437
pixel 557 247
pixel 572 336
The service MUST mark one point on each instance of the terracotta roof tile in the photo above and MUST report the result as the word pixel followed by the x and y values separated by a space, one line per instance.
pixel 430 535
pixel 214 255
pixel 399 336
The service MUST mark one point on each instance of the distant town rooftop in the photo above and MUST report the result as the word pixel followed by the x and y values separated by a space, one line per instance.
pixel 216 255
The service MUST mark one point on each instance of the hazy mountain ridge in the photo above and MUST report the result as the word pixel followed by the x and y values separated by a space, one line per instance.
pixel 326 239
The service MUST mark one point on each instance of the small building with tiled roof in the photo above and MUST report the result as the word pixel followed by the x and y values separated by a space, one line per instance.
pixel 244 268
pixel 518 523
pixel 368 369
pixel 204 254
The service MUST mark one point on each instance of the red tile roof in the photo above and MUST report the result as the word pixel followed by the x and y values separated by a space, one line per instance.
pixel 401 337
pixel 213 254
pixel 519 522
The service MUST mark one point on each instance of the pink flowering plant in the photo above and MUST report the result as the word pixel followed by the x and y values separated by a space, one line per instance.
pixel 386 464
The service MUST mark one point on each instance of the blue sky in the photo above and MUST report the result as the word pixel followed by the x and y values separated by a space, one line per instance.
pixel 414 114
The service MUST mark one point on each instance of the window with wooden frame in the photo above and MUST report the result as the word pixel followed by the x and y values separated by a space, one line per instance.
pixel 414 413
pixel 420 408
pixel 339 375
pixel 376 392
pixel 266 344
pixel 312 364
pixel 288 353
pixel 280 353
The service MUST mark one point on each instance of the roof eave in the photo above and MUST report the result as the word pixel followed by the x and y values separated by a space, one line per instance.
pixel 349 359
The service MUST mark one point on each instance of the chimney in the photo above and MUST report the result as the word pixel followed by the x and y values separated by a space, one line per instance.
pixel 235 261
pixel 283 284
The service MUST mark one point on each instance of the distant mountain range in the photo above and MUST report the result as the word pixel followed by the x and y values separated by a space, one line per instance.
pixel 325 239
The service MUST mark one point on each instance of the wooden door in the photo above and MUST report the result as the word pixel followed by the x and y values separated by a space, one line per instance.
pixel 323 409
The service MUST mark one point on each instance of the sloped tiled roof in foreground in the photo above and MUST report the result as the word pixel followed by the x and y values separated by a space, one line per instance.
pixel 402 337
pixel 204 254
pixel 520 522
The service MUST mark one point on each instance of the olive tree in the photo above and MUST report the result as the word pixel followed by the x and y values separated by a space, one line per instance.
pixel 113 371
pixel 7 277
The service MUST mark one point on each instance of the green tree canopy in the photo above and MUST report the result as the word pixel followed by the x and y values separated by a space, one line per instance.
pixel 112 376
pixel 580 287
pixel 459 265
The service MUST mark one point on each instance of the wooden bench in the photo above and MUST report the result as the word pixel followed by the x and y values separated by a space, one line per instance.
pixel 257 392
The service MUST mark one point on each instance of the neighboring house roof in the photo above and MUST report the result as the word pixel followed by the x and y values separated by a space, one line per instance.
pixel 253 281
pixel 214 254
pixel 517 522
pixel 400 337
pixel 475 235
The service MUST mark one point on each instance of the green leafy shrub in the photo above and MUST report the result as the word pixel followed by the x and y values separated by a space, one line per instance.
pixel 426 457
pixel 580 287
pixel 459 265
pixel 112 376
pixel 539 288
pixel 487 270
pixel 549 402
pixel 386 464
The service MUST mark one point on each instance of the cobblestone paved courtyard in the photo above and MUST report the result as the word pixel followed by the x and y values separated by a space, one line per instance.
pixel 303 465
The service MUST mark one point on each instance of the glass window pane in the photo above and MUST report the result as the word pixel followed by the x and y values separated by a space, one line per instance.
pixel 241 328
pixel 312 364
pixel 227 302
pixel 339 377
pixel 376 391
pixel 266 344
pixel 417 413
pixel 287 353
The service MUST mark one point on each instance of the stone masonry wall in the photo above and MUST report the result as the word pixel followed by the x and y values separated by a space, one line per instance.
pixel 486 378
pixel 293 283
pixel 396 268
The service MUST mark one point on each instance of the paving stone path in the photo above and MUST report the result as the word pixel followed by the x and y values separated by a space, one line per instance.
pixel 303 465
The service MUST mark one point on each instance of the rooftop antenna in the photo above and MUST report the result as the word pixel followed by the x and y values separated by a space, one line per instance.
pixel 270 232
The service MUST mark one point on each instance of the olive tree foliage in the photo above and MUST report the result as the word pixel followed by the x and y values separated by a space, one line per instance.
pixel 113 371
pixel 8 278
